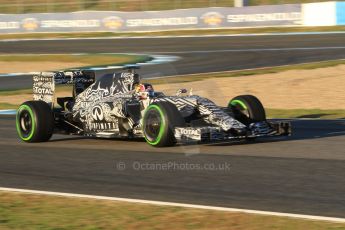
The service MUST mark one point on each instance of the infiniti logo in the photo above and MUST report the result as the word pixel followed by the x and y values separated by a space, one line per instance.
pixel 97 113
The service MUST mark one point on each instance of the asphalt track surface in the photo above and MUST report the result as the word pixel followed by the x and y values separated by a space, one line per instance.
pixel 303 174
pixel 198 54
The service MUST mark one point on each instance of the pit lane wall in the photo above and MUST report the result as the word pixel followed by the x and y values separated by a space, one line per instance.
pixel 313 14
pixel 323 14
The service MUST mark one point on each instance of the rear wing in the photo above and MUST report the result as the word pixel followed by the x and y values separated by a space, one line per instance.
pixel 44 83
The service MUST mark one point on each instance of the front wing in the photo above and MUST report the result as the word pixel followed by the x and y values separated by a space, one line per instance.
pixel 206 134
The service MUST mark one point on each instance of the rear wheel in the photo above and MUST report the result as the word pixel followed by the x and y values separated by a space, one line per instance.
pixel 159 122
pixel 35 121
pixel 247 109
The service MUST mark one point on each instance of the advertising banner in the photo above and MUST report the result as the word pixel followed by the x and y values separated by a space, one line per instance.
pixel 109 21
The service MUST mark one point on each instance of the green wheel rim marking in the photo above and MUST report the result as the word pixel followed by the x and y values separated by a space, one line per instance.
pixel 238 102
pixel 21 108
pixel 161 129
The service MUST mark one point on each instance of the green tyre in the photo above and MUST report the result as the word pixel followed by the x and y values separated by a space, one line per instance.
pixel 247 109
pixel 34 121
pixel 159 122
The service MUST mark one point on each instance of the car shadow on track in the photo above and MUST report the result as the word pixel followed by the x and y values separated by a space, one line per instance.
pixel 69 138
pixel 75 138
pixel 302 129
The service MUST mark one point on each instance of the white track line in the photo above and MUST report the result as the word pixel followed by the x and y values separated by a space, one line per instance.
pixel 252 50
pixel 8 112
pixel 162 203
pixel 13 74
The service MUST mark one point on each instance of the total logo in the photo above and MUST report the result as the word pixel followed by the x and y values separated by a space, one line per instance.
pixel 190 132
pixel 30 24
pixel 212 18
pixel 113 22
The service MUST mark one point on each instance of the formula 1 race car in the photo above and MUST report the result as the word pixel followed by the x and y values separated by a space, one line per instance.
pixel 119 105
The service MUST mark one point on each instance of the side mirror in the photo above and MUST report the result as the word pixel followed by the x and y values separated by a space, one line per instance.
pixel 180 91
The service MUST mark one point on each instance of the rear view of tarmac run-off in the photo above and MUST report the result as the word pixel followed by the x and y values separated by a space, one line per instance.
pixel 304 173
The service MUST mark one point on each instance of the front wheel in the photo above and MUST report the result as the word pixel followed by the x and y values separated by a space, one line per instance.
pixel 35 121
pixel 159 122
pixel 247 109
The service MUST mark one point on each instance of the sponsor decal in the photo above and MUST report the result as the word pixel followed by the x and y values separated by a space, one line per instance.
pixel 212 18
pixel 113 22
pixel 97 113
pixel 92 23
pixel 188 132
pixel 30 24
pixel 72 77
pixel 40 90
pixel 102 126
pixel 161 20
pixel 9 25
pixel 43 88
pixel 291 16
pixel 175 21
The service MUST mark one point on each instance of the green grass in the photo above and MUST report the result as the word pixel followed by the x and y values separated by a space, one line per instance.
pixel 24 211
pixel 306 113
pixel 15 92
pixel 174 32
pixel 43 6
pixel 58 88
pixel 8 106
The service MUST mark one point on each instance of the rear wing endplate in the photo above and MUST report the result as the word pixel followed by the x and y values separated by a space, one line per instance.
pixel 44 83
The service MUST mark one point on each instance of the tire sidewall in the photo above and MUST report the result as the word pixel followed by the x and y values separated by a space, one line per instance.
pixel 170 118
pixel 162 128
pixel 28 108
pixel 42 121
pixel 253 106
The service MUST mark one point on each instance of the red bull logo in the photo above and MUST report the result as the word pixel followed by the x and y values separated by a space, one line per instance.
pixel 113 22
pixel 212 18
pixel 30 24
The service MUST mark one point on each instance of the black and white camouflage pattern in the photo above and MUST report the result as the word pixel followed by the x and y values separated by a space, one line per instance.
pixel 100 106
pixel 209 111
pixel 112 107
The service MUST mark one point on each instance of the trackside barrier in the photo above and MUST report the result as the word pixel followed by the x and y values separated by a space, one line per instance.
pixel 319 14
pixel 340 13
pixel 200 18
pixel 323 14
pixel 310 14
